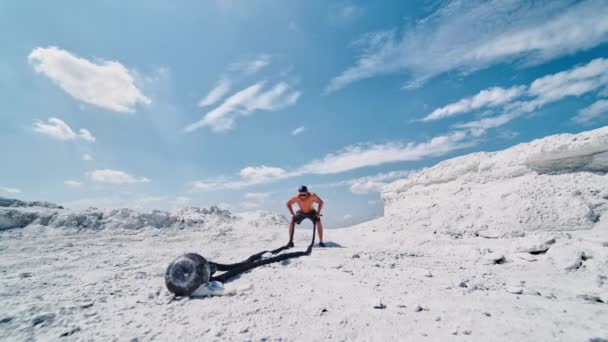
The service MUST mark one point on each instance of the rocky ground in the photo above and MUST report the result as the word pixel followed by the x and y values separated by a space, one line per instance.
pixel 375 283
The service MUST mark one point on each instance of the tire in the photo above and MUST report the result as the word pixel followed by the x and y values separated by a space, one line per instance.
pixel 186 273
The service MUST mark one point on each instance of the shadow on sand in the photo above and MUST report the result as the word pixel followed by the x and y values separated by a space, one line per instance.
pixel 331 244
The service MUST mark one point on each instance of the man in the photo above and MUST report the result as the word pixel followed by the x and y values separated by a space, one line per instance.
pixel 305 201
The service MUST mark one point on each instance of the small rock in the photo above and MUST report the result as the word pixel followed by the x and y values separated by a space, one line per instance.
pixel 576 193
pixel 568 257
pixel 467 332
pixel 70 332
pixel 437 319
pixel 419 308
pixel 479 287
pixel 140 275
pixel 25 275
pixel 462 284
pixel 356 256
pixel 495 258
pixel 499 259
pixel 6 319
pixel 551 296
pixel 87 305
pixel 487 314
pixel 380 306
pixel 597 339
pixel 43 318
pixel 90 314
pixel 489 234
pixel 515 289
pixel 538 247
pixel 591 298
pixel 531 292
pixel 527 257
pixel 428 274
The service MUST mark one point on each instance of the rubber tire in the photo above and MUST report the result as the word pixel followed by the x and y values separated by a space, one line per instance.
pixel 186 273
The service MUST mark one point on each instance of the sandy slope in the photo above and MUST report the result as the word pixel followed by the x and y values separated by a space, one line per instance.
pixel 419 273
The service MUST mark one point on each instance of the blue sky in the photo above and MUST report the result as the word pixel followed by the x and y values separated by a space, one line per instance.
pixel 153 104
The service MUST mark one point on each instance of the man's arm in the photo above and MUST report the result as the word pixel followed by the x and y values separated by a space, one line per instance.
pixel 290 202
pixel 319 203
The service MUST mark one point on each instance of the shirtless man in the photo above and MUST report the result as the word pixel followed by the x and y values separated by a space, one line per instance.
pixel 305 201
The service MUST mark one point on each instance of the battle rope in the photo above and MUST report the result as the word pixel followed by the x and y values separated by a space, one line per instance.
pixel 257 261
pixel 189 271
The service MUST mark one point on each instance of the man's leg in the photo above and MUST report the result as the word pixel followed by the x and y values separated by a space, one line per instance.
pixel 291 230
pixel 320 230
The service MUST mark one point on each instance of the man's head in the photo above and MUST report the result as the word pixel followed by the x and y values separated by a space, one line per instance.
pixel 303 191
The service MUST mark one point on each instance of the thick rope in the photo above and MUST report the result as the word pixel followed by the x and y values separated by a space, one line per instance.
pixel 232 270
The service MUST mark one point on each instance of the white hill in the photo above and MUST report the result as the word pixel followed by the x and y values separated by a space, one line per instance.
pixel 555 183
pixel 511 245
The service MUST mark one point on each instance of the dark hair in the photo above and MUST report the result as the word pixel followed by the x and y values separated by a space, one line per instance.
pixel 302 189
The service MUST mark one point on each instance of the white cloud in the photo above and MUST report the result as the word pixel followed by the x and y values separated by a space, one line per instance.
pixel 255 199
pixel 180 201
pixel 591 112
pixel 217 93
pixel 261 173
pixel 480 126
pixel 258 196
pixel 58 129
pixel 347 217
pixel 350 158
pixel 86 135
pixel 358 156
pixel 344 13
pixel 251 205
pixel 8 190
pixel 298 130
pixel 208 186
pixel 486 98
pixel 574 82
pixel 372 202
pixel 115 177
pixel 246 102
pixel 471 35
pixel 367 187
pixel 72 183
pixel 577 81
pixel 351 11
pixel 106 84
pixel 515 102
pixel 226 206
pixel 507 134
pixel 248 176
pixel 370 184
pixel 376 183
pixel 252 66
pixel 87 157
